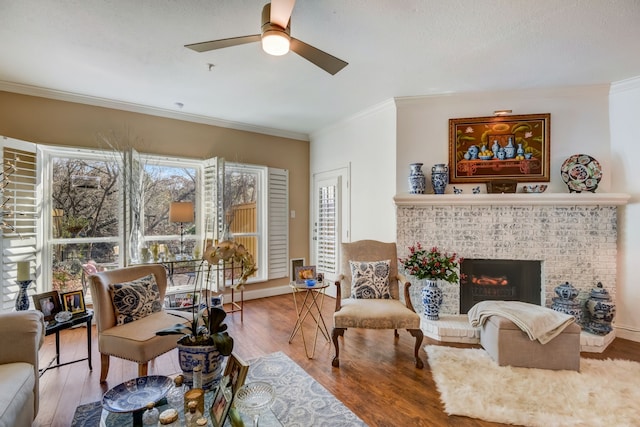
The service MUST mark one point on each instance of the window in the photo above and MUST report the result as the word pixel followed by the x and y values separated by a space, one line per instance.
pixel 103 212
pixel 244 219
pixel 250 203
pixel 84 225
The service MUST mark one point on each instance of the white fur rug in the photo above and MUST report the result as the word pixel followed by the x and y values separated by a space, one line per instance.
pixel 603 393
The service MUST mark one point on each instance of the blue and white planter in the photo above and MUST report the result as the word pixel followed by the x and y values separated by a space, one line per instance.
pixel 206 356
pixel 431 299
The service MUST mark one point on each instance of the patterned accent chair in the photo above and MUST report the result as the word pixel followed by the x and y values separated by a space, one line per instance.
pixel 373 313
pixel 136 340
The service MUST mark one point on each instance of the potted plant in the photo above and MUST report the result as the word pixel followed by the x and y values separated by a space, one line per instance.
pixel 431 265
pixel 205 340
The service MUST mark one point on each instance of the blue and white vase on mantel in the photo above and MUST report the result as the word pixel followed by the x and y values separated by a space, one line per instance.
pixel 417 180
pixel 439 177
pixel 431 299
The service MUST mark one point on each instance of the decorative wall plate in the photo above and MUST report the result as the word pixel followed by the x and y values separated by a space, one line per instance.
pixel 581 172
pixel 135 394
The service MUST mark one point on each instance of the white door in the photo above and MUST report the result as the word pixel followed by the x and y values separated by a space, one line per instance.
pixel 330 221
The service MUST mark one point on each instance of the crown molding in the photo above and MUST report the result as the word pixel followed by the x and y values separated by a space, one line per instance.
pixel 625 85
pixel 145 109
pixel 388 103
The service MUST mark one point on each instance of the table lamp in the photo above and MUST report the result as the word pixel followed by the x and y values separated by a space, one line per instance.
pixel 181 212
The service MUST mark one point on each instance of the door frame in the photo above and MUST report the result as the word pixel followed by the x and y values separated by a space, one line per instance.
pixel 343 176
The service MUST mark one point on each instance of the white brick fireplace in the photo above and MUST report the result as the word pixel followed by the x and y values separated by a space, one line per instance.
pixel 574 236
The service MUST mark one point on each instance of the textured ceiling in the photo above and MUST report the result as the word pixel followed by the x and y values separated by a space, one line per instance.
pixel 132 52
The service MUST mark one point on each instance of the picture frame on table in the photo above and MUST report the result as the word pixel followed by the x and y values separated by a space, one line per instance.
pixel 523 139
pixel 295 263
pixel 48 303
pixel 236 370
pixel 305 272
pixel 221 403
pixel 73 302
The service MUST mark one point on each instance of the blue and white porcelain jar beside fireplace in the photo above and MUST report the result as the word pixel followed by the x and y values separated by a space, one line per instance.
pixel 601 311
pixel 566 303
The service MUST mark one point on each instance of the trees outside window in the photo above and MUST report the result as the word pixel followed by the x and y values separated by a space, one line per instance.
pixel 87 212
pixel 87 228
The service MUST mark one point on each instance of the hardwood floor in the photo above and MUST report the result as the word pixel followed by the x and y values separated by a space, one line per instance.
pixel 377 379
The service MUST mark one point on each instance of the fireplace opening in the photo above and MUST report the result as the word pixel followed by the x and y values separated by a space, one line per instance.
pixel 506 280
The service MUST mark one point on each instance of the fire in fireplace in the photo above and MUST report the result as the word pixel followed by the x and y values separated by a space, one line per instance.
pixel 507 280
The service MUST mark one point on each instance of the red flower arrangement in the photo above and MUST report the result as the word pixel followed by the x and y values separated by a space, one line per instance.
pixel 432 264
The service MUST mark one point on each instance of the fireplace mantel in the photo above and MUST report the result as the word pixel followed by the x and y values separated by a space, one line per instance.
pixel 573 236
pixel 514 199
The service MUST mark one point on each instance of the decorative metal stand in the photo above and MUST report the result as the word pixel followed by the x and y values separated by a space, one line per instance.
pixel 22 300
pixel 223 276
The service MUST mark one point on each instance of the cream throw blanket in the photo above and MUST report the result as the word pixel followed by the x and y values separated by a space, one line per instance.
pixel 540 323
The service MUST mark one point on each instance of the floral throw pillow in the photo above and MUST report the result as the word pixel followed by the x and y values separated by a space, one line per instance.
pixel 136 299
pixel 370 279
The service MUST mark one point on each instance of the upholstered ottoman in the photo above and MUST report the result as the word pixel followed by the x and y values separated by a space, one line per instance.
pixel 509 345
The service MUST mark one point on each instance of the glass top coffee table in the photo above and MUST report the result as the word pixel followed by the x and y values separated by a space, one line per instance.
pixel 113 419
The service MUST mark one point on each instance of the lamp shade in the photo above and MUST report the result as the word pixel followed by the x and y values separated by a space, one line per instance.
pixel 275 42
pixel 181 212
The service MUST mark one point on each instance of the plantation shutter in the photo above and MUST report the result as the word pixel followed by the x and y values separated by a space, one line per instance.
pixel 213 184
pixel 327 229
pixel 19 215
pixel 278 223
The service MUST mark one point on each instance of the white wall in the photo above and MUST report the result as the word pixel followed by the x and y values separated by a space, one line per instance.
pixel 592 120
pixel 368 142
pixel 625 152
pixel 579 124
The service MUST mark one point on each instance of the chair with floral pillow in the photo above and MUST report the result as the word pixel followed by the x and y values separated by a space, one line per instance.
pixel 368 294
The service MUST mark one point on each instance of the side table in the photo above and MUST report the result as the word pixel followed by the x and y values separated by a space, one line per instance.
pixel 55 327
pixel 311 306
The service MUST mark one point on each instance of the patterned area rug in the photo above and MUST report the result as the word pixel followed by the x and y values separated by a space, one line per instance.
pixel 603 393
pixel 300 400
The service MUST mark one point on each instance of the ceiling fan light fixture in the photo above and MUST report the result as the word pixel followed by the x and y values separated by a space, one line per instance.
pixel 275 42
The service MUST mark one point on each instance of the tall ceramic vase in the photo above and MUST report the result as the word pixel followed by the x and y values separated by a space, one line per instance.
pixel 417 180
pixel 439 177
pixel 431 299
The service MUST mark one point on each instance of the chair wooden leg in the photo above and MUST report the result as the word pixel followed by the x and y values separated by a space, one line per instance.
pixel 104 367
pixel 143 369
pixel 396 334
pixel 419 337
pixel 335 333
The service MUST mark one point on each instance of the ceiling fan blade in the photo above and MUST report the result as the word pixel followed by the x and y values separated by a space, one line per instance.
pixel 281 11
pixel 327 62
pixel 222 43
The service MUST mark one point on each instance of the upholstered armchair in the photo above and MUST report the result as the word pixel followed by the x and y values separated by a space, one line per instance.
pixel 358 304
pixel 22 334
pixel 128 331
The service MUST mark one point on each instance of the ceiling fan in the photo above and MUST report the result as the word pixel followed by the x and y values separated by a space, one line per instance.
pixel 275 38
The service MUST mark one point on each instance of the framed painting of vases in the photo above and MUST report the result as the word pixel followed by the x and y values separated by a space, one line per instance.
pixel 500 147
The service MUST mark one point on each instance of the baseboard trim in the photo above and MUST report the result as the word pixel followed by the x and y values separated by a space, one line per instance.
pixel 250 294
pixel 627 333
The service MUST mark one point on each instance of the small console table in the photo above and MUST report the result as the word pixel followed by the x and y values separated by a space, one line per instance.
pixel 55 327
